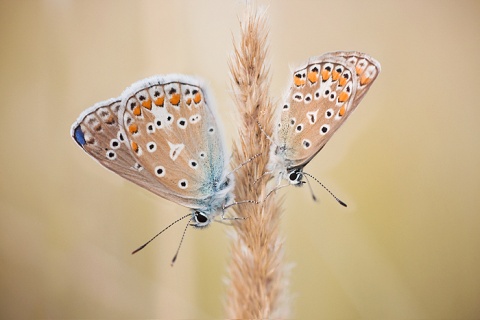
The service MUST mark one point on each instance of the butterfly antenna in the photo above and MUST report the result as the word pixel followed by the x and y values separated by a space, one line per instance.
pixel 311 190
pixel 331 193
pixel 143 246
pixel 181 241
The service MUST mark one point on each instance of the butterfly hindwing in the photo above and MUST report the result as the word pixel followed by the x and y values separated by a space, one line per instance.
pixel 320 95
pixel 100 134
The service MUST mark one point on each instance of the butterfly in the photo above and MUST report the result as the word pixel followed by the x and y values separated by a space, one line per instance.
pixel 323 93
pixel 163 134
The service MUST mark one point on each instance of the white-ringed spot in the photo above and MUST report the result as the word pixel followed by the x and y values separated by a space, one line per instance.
pixel 151 146
pixel 151 127
pixel 183 184
pixel 298 96
pixel 299 128
pixel 332 96
pixel 120 136
pixel 285 107
pixel 211 130
pixel 308 98
pixel 306 143
pixel 324 129
pixel 182 123
pixel 158 123
pixel 169 118
pixel 159 171
pixel 195 118
pixel 329 113
pixel 327 92
pixel 202 154
pixel 111 155
pixel 114 144
pixel 193 164
pixel 292 121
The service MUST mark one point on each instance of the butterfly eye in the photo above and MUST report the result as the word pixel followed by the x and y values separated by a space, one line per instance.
pixel 295 177
pixel 200 217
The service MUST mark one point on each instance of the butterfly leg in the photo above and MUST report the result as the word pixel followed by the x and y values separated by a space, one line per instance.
pixel 245 163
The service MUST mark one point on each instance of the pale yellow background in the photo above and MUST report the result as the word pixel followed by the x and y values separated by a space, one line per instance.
pixel 407 162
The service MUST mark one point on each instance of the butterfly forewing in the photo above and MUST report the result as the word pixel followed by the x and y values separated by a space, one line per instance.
pixel 173 133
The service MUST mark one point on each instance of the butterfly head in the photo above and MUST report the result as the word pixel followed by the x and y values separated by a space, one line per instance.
pixel 213 206
pixel 200 219
pixel 295 176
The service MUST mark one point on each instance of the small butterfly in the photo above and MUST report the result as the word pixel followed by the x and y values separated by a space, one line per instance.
pixel 163 135
pixel 323 93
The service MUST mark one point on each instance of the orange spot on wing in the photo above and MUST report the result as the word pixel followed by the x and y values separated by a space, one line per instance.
pixel 365 79
pixel 110 120
pixel 325 75
pixel 159 101
pixel 147 104
pixel 342 111
pixel 298 81
pixel 342 81
pixel 335 75
pixel 134 146
pixel 197 98
pixel 343 96
pixel 189 101
pixel 313 76
pixel 175 99
pixel 133 128
pixel 137 111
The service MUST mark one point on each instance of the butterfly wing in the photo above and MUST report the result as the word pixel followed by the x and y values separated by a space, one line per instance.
pixel 173 133
pixel 100 134
pixel 323 94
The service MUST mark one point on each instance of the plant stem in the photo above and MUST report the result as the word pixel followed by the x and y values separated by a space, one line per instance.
pixel 257 278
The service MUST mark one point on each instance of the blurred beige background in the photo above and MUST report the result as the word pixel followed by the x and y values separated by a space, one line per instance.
pixel 407 162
